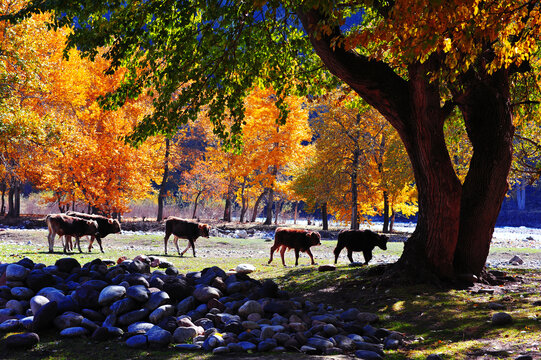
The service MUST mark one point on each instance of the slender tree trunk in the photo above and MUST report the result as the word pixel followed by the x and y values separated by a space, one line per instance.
pixel 163 185
pixel 11 201
pixel 270 201
pixel 385 211
pixel 17 199
pixel 244 201
pixel 295 214
pixel 391 221
pixel 354 191
pixel 488 118
pixel 278 210
pixel 324 216
pixel 3 188
pixel 256 205
pixel 196 201
pixel 228 201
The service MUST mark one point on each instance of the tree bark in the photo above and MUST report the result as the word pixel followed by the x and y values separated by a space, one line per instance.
pixel 295 214
pixel 17 199
pixel 324 216
pixel 256 205
pixel 3 188
pixel 270 201
pixel 162 192
pixel 228 202
pixel 489 123
pixel 244 204
pixel 277 211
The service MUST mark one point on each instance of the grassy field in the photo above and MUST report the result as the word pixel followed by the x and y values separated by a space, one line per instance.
pixel 452 323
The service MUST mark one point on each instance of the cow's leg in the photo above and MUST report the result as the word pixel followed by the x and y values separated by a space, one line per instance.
pixel 165 239
pixel 50 236
pixel 367 256
pixel 350 255
pixel 192 244
pixel 311 256
pixel 99 243
pixel 273 248
pixel 282 252
pixel 184 251
pixel 297 252
pixel 90 242
pixel 175 241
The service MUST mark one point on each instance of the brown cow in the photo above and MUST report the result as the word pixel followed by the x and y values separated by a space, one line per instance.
pixel 359 240
pixel 297 239
pixel 184 229
pixel 106 226
pixel 64 225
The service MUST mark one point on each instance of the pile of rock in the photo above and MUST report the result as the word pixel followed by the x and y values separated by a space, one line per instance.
pixel 210 310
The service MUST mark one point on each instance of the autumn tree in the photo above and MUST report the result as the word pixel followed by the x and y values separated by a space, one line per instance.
pixel 414 61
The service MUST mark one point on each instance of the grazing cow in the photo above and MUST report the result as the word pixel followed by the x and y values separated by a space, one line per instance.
pixel 297 239
pixel 359 240
pixel 184 229
pixel 106 226
pixel 64 225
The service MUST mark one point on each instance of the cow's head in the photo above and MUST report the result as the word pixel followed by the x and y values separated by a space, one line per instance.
pixel 115 226
pixel 204 230
pixel 315 238
pixel 382 242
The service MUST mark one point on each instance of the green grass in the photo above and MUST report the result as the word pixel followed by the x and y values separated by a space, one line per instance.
pixel 450 322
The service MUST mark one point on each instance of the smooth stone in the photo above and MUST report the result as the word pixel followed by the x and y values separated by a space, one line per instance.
pixel 110 294
pixel 250 307
pixel 186 305
pixel 345 343
pixel 27 322
pixel 158 337
pixel 76 331
pixel 330 330
pixel 89 324
pixel 67 320
pixel 140 326
pixel 16 306
pixel 220 350
pixel 93 315
pixel 156 300
pixel 267 332
pixel 349 314
pixel 267 345
pixel 22 293
pixel 319 343
pixel 366 317
pixel 213 341
pixel 24 340
pixel 247 345
pixel 250 325
pixel 367 355
pixel 138 293
pixel 391 344
pixel 281 338
pixel 377 348
pixel 184 334
pixel 245 268
pixel 123 306
pixel 132 317
pixel 110 320
pixel 205 293
pixel 501 318
pixel 52 294
pixel 15 272
pixel 45 316
pixel 38 279
pixel 66 265
pixel 161 312
pixel 37 302
pixel 309 350
pixel 276 307
pixel 10 325
pixel 137 342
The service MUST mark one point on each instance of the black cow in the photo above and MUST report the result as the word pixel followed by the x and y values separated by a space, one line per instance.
pixel 297 239
pixel 185 229
pixel 359 240
pixel 64 225
pixel 106 226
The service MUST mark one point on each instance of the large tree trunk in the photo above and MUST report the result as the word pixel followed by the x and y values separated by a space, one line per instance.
pixel 489 124
pixel 228 202
pixel 270 201
pixel 277 211
pixel 455 223
pixel 3 188
pixel 162 193
pixel 324 216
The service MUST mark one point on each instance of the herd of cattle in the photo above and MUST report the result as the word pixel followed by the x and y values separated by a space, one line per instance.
pixel 77 225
